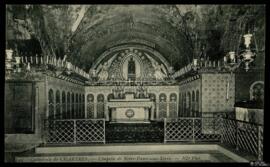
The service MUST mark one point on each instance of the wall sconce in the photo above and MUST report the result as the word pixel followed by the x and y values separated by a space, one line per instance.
pixel 233 61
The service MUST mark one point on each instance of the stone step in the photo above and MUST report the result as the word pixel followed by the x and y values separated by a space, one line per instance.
pixel 125 148
pixel 132 153
pixel 158 157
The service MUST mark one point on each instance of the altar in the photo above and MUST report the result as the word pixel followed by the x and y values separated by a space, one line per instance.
pixel 130 110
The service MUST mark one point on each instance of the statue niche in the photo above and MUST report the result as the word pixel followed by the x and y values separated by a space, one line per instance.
pixel 131 70
pixel 131 67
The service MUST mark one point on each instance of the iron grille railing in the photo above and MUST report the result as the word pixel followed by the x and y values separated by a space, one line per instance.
pixel 239 135
pixel 73 131
pixel 192 129
pixel 243 136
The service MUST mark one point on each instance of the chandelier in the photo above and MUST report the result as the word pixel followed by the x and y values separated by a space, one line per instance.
pixel 233 60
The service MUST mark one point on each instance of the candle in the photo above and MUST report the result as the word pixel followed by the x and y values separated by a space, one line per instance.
pixel 225 59
pixel 28 68
pixel 17 59
pixel 195 62
pixel 232 56
pixel 22 60
pixel 247 38
pixel 36 59
pixel 68 65
pixel 9 53
pixel 41 59
pixel 227 92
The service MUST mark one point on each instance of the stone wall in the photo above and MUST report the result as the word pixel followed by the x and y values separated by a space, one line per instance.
pixel 20 142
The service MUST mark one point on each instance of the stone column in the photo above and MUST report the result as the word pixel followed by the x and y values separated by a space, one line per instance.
pixel 168 105
pixel 85 105
pixel 106 111
pixel 95 106
pixel 152 112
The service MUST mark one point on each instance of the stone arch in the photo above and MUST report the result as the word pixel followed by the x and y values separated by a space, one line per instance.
pixel 128 46
pixel 110 96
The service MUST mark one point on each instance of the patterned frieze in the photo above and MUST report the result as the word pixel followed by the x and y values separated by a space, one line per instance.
pixel 61 84
pixel 151 89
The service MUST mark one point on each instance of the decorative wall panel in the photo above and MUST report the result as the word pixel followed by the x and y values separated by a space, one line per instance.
pixel 218 92
pixel 100 106
pixel 90 106
pixel 188 102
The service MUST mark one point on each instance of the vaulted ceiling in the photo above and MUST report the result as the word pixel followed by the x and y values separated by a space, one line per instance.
pixel 84 32
pixel 113 25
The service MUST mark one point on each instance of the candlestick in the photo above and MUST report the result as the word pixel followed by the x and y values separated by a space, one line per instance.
pixel 41 59
pixel 17 59
pixel 28 68
pixel 227 92
pixel 195 62
pixel 36 59
pixel 232 56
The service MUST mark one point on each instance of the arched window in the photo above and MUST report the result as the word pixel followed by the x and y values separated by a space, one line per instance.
pixel 73 106
pixel 188 104
pixel 173 106
pixel 180 105
pixel 197 103
pixel 58 105
pixel 184 105
pixel 51 104
pixel 76 109
pixel 64 105
pixel 68 105
pixel 257 91
pixel 90 106
pixel 162 106
pixel 82 115
pixel 193 114
pixel 82 104
pixel 100 106
pixel 109 97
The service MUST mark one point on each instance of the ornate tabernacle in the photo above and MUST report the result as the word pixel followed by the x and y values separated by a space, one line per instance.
pixel 130 110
